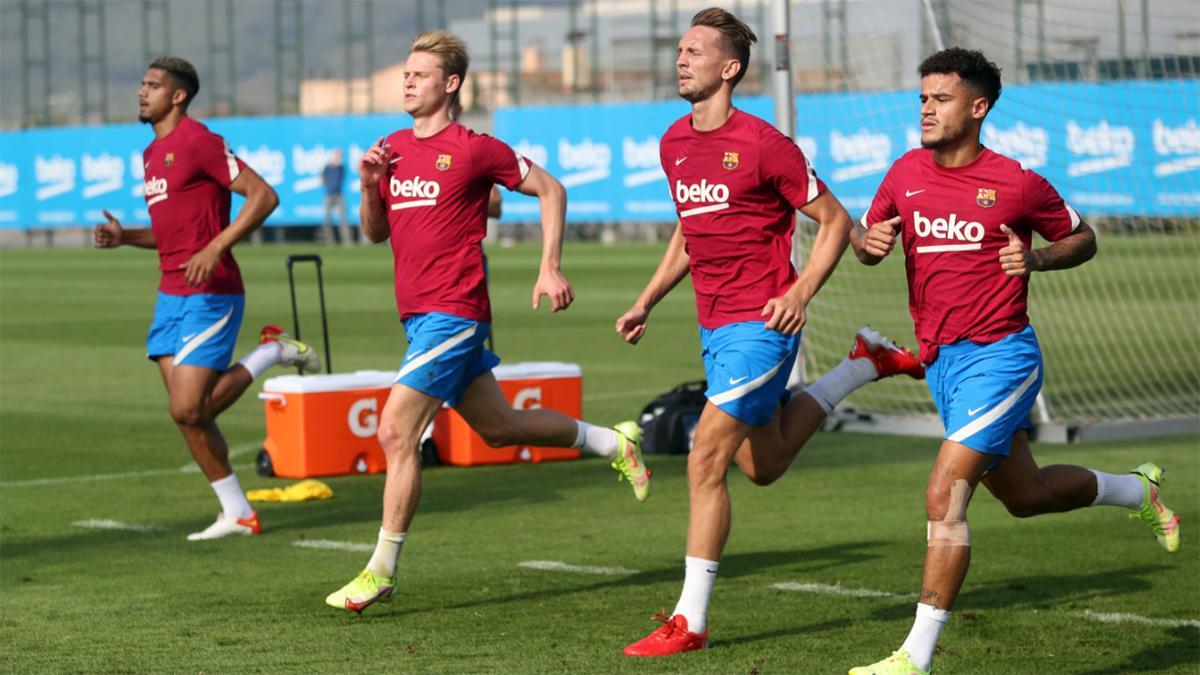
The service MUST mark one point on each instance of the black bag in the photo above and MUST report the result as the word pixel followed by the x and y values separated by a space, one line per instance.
pixel 669 421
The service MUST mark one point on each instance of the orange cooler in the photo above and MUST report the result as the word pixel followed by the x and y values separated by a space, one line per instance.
pixel 324 425
pixel 545 384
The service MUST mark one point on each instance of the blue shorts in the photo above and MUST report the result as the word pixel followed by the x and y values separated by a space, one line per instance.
pixel 747 367
pixel 198 330
pixel 984 393
pixel 445 355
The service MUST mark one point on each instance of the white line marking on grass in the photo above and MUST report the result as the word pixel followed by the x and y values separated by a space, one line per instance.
pixel 104 524
pixel 335 545
pixel 560 566
pixel 102 476
pixel 826 589
pixel 1120 617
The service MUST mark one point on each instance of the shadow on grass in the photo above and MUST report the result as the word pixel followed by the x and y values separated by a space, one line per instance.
pixel 822 627
pixel 1181 650
pixel 1042 592
pixel 732 566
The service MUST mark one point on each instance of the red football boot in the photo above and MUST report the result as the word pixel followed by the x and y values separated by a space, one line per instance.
pixel 889 358
pixel 672 637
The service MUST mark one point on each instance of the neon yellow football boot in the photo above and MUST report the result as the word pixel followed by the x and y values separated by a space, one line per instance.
pixel 363 591
pixel 896 664
pixel 1154 513
pixel 628 461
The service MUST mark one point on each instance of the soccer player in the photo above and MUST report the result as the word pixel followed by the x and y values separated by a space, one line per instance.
pixel 737 182
pixel 966 216
pixel 190 173
pixel 426 189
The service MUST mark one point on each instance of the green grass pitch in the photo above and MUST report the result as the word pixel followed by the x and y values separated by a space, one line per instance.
pixel 84 434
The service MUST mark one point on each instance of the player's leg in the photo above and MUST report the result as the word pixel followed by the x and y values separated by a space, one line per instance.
pixel 717 437
pixel 984 394
pixel 489 413
pixel 275 348
pixel 192 339
pixel 405 416
pixel 771 448
pixel 1027 490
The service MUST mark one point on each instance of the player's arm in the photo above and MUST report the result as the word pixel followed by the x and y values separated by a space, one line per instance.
pixel 1073 250
pixel 873 244
pixel 261 200
pixel 371 213
pixel 553 199
pixel 787 312
pixel 110 234
pixel 671 270
pixel 494 203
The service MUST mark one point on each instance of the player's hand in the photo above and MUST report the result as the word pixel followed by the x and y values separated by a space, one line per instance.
pixel 880 239
pixel 373 166
pixel 201 265
pixel 1015 259
pixel 107 234
pixel 632 324
pixel 552 283
pixel 787 314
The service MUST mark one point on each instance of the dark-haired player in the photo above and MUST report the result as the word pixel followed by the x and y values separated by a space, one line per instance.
pixel 737 182
pixel 966 216
pixel 190 173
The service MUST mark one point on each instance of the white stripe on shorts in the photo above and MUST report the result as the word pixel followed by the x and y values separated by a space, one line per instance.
pixel 740 391
pixel 437 351
pixel 202 337
pixel 984 420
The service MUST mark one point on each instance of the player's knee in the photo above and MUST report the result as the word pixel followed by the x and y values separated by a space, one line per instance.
pixel 192 414
pixel 762 475
pixel 947 501
pixel 705 467
pixel 501 433
pixel 394 440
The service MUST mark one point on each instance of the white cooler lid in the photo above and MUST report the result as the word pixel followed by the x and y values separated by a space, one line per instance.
pixel 363 379
pixel 533 369
pixel 382 379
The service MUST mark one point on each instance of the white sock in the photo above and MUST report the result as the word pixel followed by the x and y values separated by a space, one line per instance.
pixel 698 579
pixel 837 384
pixel 1124 490
pixel 233 499
pixel 264 356
pixel 387 551
pixel 923 637
pixel 600 440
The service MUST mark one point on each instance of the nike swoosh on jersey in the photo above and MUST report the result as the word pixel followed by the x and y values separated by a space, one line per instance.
pixel 680 160
pixel 395 160
pixel 909 193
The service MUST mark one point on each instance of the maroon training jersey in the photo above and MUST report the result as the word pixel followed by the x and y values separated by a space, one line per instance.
pixel 187 194
pixel 736 189
pixel 435 194
pixel 952 240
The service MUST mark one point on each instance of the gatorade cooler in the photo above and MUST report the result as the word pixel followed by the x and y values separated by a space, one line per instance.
pixel 544 384
pixel 324 425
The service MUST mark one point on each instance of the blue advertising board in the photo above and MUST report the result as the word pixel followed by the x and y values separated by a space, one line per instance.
pixel 1119 148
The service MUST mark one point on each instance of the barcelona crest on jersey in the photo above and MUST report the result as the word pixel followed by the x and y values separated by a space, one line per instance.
pixel 986 198
pixel 730 161
pixel 169 159
pixel 443 162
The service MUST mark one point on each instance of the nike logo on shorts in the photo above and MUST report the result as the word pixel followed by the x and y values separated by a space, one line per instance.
pixel 971 411
pixel 740 379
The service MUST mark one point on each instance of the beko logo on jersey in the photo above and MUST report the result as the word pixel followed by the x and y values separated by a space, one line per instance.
pixel 418 192
pixel 952 229
pixel 713 196
pixel 155 190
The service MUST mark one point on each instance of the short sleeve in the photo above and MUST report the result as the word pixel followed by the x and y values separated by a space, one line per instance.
pixel 1044 210
pixel 494 161
pixel 784 165
pixel 883 205
pixel 215 159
